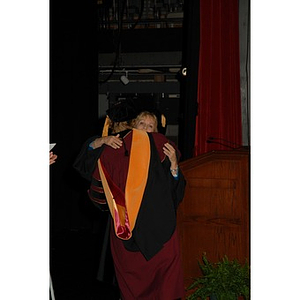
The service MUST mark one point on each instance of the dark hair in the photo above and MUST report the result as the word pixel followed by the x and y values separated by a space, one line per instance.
pixel 122 111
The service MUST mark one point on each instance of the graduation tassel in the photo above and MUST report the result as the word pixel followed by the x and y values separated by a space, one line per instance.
pixel 163 120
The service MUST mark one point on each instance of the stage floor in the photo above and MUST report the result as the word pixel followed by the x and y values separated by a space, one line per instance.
pixel 74 261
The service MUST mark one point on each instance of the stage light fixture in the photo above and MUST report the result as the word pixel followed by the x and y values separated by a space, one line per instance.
pixel 124 78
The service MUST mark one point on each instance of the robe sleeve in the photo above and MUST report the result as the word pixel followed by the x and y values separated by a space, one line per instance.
pixel 179 183
pixel 178 188
pixel 86 160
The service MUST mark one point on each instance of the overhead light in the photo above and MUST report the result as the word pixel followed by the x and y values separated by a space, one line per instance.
pixel 124 78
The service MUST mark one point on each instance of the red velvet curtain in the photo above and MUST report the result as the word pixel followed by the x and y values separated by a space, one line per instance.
pixel 219 100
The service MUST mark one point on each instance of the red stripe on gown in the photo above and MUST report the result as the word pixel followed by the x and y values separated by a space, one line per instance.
pixel 160 278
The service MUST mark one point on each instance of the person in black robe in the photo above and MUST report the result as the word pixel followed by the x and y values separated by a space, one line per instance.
pixel 145 194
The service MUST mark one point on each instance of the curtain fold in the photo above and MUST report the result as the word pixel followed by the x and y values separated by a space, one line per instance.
pixel 218 122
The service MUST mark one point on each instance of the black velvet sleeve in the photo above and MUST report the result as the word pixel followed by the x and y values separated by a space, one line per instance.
pixel 86 160
pixel 178 188
pixel 177 185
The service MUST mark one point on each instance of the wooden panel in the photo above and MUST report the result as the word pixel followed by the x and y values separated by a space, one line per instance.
pixel 214 215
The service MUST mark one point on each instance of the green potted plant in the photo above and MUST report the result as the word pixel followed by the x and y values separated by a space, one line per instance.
pixel 224 280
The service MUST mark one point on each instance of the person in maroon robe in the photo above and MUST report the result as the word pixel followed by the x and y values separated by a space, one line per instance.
pixel 134 181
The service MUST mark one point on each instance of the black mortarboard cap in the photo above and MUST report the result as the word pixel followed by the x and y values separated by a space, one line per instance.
pixel 121 111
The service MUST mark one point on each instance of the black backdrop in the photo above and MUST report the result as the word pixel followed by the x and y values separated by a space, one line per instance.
pixel 189 84
pixel 73 107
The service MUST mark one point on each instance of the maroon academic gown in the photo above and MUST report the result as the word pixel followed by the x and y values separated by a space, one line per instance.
pixel 161 276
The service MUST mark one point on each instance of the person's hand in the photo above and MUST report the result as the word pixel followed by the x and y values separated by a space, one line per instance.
pixel 170 151
pixel 52 158
pixel 113 141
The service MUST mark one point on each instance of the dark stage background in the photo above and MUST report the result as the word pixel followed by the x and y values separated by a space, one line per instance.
pixel 75 225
